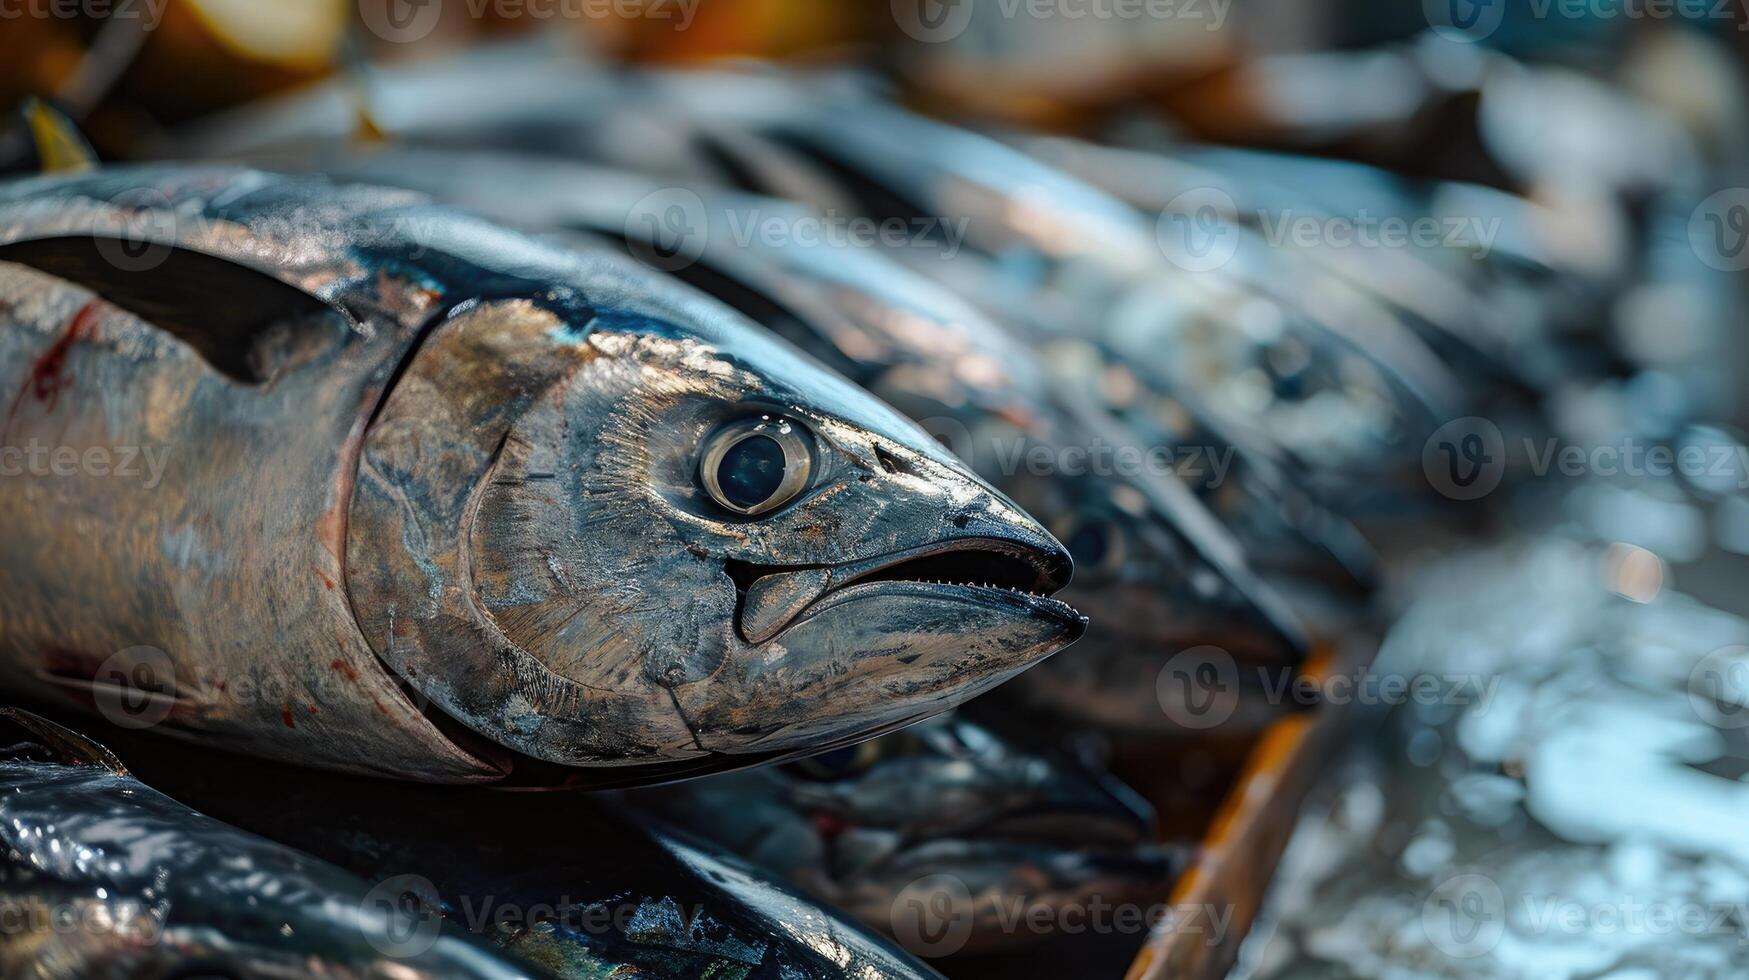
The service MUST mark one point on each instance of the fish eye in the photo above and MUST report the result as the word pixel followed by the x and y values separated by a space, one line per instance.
pixel 757 464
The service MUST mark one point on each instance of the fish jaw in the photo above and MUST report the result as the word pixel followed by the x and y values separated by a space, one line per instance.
pixel 874 657
pixel 531 547
pixel 851 649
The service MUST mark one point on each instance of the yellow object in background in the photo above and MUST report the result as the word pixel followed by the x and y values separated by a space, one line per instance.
pixel 298 34
pixel 59 147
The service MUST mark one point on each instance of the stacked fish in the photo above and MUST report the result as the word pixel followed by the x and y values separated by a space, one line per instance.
pixel 549 442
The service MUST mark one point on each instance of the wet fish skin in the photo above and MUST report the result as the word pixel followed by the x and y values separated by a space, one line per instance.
pixel 1167 571
pixel 764 133
pixel 111 880
pixel 470 487
pixel 595 893
pixel 1162 574
pixel 858 826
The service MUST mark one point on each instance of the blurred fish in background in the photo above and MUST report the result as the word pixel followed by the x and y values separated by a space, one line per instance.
pixel 1430 314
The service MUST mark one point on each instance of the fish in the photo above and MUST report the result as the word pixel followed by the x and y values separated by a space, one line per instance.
pixel 730 130
pixel 945 800
pixel 253 869
pixel 1290 363
pixel 1489 299
pixel 1155 572
pixel 439 501
pixel 105 878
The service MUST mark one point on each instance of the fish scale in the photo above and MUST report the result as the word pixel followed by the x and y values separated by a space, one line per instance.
pixel 337 373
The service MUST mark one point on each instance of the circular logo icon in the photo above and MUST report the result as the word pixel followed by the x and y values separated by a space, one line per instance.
pixel 1718 687
pixel 136 687
pixel 1718 230
pixel 1465 458
pixel 1465 916
pixel 1196 230
pixel 401 916
pixel 146 234
pixel 1464 21
pixel 953 436
pixel 668 228
pixel 401 21
pixel 1199 687
pixel 932 916
pixel 933 21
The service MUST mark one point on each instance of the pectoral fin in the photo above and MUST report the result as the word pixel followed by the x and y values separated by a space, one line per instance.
pixel 244 322
pixel 67 745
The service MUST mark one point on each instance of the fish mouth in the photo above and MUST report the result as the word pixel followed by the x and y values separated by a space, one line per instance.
pixel 990 571
pixel 1040 851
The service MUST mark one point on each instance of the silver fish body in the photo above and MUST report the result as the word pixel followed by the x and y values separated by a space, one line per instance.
pixel 318 874
pixel 764 134
pixel 453 502
pixel 105 878
pixel 1160 570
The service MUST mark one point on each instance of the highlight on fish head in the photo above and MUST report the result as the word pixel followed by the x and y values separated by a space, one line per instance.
pixel 613 524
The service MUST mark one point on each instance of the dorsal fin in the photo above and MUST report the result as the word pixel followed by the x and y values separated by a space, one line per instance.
pixel 365 131
pixel 59 147
pixel 67 745
pixel 242 321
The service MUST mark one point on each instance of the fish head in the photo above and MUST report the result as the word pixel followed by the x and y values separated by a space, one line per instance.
pixel 951 799
pixel 677 541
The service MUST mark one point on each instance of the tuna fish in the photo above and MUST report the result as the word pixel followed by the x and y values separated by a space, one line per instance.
pixel 439 501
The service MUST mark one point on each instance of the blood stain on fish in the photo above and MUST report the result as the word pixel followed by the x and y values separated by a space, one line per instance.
pixel 48 375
